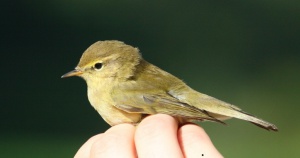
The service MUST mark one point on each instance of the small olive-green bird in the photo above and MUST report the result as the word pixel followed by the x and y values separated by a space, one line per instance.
pixel 124 88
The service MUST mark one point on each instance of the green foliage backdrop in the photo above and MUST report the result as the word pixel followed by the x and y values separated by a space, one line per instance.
pixel 243 52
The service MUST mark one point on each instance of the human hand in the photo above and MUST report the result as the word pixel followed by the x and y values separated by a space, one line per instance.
pixel 156 136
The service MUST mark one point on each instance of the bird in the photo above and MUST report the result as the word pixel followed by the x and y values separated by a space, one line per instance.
pixel 125 88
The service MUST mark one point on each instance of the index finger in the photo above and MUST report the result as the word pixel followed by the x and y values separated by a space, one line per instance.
pixel 156 136
pixel 195 143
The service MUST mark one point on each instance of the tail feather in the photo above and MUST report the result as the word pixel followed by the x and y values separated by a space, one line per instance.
pixel 248 117
pixel 222 110
pixel 267 127
pixel 219 109
pixel 253 119
pixel 256 121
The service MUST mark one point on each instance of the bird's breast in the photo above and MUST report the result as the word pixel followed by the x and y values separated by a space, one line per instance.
pixel 100 98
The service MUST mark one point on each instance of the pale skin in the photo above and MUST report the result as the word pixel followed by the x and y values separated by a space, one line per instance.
pixel 156 136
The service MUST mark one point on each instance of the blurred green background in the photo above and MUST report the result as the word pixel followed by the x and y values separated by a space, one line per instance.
pixel 242 52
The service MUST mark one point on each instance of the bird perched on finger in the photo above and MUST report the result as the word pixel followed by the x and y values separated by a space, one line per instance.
pixel 124 88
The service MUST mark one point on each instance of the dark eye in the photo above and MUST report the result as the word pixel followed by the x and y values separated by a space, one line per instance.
pixel 98 66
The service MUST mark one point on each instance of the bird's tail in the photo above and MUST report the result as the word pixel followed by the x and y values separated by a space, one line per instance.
pixel 222 110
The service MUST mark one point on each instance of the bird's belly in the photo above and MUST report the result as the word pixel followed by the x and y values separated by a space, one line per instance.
pixel 110 113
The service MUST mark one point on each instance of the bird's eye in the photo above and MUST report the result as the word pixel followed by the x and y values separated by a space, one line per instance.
pixel 98 66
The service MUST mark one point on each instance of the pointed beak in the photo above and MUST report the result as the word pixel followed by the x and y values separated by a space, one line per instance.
pixel 72 73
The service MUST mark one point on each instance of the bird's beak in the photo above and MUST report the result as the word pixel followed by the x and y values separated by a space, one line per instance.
pixel 72 73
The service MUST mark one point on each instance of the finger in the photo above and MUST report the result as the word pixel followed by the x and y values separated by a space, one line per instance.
pixel 84 151
pixel 156 136
pixel 195 143
pixel 115 142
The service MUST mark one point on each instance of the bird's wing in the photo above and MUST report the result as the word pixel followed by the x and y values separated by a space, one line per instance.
pixel 138 100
